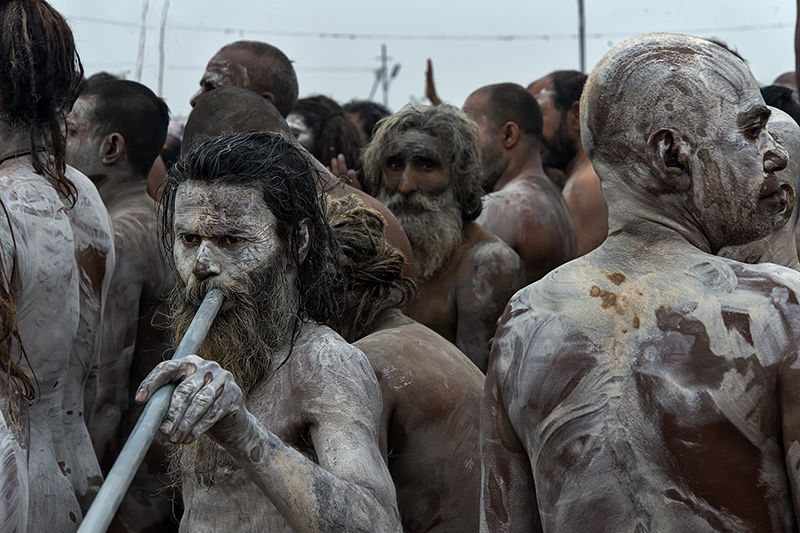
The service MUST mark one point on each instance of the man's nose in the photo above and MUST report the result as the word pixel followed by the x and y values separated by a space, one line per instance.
pixel 776 158
pixel 205 266
pixel 197 96
pixel 408 182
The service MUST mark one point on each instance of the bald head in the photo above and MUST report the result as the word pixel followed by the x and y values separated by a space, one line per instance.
pixel 259 67
pixel 509 102
pixel 675 128
pixel 655 81
pixel 231 110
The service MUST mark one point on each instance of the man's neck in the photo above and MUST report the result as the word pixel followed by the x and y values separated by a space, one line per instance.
pixel 524 160
pixel 117 188
pixel 13 140
pixel 578 163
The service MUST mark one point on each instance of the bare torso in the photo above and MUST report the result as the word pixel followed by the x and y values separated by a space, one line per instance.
pixel 64 256
pixel 132 346
pixel 587 207
pixel 323 383
pixel 530 215
pixel 648 389
pixel 463 302
pixel 429 426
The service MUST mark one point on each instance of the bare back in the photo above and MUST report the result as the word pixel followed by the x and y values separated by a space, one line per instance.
pixel 132 346
pixel 429 426
pixel 530 215
pixel 641 392
pixel 62 258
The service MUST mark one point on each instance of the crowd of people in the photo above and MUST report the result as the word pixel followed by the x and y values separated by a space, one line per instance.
pixel 570 306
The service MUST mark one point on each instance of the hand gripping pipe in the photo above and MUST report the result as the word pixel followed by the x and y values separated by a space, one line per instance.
pixel 118 480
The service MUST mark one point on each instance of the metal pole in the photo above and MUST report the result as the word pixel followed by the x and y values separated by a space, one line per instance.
pixel 142 36
pixel 116 484
pixel 161 48
pixel 385 71
pixel 582 35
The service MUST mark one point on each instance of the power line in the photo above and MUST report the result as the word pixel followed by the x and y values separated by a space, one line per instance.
pixel 432 37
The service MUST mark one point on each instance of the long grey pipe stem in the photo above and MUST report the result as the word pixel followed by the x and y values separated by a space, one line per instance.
pixel 118 480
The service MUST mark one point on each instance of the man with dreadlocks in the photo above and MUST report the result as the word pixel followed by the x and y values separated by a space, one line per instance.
pixel 431 390
pixel 57 256
pixel 278 423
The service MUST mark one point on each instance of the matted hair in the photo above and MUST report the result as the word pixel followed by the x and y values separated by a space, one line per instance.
pixel 373 268
pixel 40 71
pixel 460 137
pixel 333 131
pixel 287 179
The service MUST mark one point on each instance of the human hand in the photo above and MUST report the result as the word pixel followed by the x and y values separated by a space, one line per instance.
pixel 206 400
pixel 430 86
pixel 339 169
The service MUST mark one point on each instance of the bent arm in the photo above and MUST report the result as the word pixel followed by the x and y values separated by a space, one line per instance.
pixel 790 421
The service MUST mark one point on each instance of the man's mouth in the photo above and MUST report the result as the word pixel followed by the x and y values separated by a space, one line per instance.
pixel 778 200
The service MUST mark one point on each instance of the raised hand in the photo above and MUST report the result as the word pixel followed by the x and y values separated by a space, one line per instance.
pixel 430 86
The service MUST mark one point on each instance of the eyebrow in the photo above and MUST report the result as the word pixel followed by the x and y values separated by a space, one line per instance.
pixel 759 113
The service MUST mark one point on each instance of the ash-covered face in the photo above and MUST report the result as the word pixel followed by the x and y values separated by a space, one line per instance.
pixel 738 195
pixel 83 141
pixel 302 131
pixel 226 69
pixel 223 233
pixel 417 189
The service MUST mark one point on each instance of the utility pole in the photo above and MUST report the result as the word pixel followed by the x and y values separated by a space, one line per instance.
pixel 382 76
pixel 582 35
pixel 142 37
pixel 161 36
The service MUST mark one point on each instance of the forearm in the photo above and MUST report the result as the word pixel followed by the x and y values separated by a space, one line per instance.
pixel 308 497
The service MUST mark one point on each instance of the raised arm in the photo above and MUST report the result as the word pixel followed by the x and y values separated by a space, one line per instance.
pixel 349 490
pixel 486 281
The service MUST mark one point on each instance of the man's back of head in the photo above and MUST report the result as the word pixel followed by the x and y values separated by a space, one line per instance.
pixel 254 65
pixel 366 114
pixel 136 113
pixel 510 102
pixel 231 110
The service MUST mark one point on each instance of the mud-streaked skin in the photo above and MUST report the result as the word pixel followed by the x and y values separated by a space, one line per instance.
pixel 462 301
pixel 305 444
pixel 429 424
pixel 64 257
pixel 14 445
pixel 581 191
pixel 131 344
pixel 523 207
pixel 650 385
pixel 780 247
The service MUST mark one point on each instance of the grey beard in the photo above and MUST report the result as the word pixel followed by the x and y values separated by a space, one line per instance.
pixel 434 234
pixel 241 340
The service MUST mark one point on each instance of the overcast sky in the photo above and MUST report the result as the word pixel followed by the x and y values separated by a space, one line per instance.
pixel 335 44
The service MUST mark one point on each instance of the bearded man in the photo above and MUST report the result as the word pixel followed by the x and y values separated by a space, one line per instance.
pixel 279 422
pixel 425 164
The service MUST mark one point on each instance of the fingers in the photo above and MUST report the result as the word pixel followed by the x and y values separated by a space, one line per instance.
pixel 181 424
pixel 166 372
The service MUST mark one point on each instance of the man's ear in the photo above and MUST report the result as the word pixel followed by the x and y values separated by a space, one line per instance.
pixel 269 96
pixel 305 233
pixel 509 134
pixel 574 117
pixel 670 156
pixel 111 148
